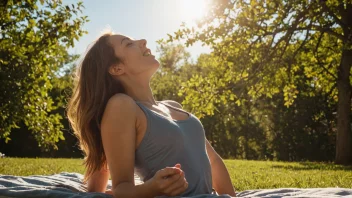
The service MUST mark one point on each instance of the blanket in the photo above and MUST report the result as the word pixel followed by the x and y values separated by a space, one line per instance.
pixel 69 184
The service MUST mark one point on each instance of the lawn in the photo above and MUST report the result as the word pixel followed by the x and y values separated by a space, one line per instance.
pixel 244 174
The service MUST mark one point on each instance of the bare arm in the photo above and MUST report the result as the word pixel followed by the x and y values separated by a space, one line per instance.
pixel 220 176
pixel 118 136
pixel 99 180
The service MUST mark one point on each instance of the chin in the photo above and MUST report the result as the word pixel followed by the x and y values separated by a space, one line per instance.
pixel 156 64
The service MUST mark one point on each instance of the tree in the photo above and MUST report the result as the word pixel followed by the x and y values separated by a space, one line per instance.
pixel 268 44
pixel 171 55
pixel 34 40
pixel 173 60
pixel 261 129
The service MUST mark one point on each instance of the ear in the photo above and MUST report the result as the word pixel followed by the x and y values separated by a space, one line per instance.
pixel 116 70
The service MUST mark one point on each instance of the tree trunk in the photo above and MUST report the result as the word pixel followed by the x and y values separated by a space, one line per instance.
pixel 343 138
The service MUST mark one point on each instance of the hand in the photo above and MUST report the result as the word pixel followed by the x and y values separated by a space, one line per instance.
pixel 108 192
pixel 170 181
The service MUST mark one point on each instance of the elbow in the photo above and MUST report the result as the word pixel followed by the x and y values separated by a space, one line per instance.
pixel 122 189
pixel 233 194
pixel 114 192
pixel 118 192
pixel 115 189
pixel 90 188
pixel 95 190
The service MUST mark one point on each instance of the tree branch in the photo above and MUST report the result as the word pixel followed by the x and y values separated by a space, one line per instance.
pixel 317 57
pixel 331 13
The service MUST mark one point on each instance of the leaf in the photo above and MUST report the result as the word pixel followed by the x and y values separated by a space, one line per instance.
pixel 238 102
pixel 34 44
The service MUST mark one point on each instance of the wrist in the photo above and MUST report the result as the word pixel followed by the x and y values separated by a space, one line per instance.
pixel 151 187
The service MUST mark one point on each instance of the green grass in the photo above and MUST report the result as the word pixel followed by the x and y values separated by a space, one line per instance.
pixel 39 166
pixel 244 174
pixel 267 174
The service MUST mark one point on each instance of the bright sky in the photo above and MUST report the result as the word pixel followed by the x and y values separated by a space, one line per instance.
pixel 148 19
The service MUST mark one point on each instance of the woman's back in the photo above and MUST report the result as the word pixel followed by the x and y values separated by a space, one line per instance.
pixel 168 142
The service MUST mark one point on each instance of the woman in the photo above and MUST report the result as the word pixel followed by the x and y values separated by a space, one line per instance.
pixel 122 130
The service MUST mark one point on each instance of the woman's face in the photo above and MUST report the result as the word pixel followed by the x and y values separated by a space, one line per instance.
pixel 137 58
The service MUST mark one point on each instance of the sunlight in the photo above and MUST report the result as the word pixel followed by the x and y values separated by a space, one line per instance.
pixel 193 10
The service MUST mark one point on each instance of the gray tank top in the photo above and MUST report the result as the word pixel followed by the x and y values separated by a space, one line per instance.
pixel 168 142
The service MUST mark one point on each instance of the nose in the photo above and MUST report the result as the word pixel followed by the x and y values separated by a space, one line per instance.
pixel 143 42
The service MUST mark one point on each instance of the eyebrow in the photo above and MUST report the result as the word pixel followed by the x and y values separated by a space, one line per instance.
pixel 125 39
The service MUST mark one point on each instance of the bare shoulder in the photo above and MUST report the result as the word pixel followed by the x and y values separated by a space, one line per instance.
pixel 119 108
pixel 173 103
pixel 121 101
pixel 121 98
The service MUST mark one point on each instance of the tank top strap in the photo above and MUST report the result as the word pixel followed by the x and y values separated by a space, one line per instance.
pixel 143 108
pixel 151 114
pixel 148 113
pixel 177 109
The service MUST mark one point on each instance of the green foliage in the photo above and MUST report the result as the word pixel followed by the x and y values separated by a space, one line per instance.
pixel 172 56
pixel 285 49
pixel 262 40
pixel 174 63
pixel 252 121
pixel 33 47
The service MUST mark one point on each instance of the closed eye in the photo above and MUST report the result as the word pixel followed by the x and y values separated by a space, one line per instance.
pixel 129 44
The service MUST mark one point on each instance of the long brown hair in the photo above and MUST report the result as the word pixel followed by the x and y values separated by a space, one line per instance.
pixel 93 86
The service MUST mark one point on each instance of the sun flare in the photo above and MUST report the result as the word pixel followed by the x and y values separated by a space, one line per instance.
pixel 193 10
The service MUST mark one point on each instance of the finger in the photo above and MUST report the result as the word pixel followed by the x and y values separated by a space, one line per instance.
pixel 176 184
pixel 172 179
pixel 173 185
pixel 180 190
pixel 168 171
pixel 178 165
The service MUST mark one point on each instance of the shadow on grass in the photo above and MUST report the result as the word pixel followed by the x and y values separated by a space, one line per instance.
pixel 313 166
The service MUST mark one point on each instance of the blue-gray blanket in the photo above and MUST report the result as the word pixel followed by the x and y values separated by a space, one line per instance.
pixel 70 185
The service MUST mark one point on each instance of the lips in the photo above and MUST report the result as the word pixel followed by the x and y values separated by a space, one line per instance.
pixel 147 52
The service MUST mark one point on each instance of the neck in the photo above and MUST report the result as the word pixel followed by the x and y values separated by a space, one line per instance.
pixel 140 91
